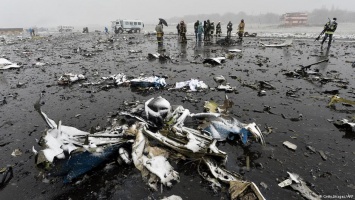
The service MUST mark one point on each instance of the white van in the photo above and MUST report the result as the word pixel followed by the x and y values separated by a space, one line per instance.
pixel 130 26
pixel 65 28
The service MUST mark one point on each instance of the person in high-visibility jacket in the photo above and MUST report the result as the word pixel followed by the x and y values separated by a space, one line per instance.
pixel 329 29
pixel 160 33
pixel 183 31
pixel 241 27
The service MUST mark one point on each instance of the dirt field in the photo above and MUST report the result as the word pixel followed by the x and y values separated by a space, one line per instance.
pixel 21 126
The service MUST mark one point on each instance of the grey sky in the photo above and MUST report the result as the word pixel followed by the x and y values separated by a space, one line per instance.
pixel 26 13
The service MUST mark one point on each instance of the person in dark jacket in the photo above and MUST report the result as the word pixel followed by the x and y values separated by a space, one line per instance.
pixel 178 29
pixel 197 23
pixel 212 29
pixel 208 30
pixel 218 29
pixel 204 30
pixel 329 28
pixel 229 29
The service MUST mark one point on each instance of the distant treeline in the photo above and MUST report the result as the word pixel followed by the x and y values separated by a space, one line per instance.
pixel 316 17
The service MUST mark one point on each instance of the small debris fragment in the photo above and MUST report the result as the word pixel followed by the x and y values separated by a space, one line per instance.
pixel 323 155
pixel 6 175
pixel 244 190
pixel 172 197
pixel 336 99
pixel 312 149
pixel 264 185
pixel 297 183
pixel 287 43
pixel 215 61
pixel 290 145
pixel 16 152
pixel 69 78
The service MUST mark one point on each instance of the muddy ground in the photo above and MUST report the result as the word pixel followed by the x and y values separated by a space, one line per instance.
pixel 21 126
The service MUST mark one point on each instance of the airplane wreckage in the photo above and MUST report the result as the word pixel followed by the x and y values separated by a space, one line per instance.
pixel 131 137
pixel 150 136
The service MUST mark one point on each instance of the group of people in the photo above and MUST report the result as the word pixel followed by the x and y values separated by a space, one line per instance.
pixel 207 29
pixel 32 32
pixel 240 32
pixel 202 29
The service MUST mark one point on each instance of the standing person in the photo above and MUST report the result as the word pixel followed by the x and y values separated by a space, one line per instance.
pixel 229 29
pixel 212 28
pixel 208 30
pixel 30 30
pixel 106 30
pixel 197 23
pixel 183 31
pixel 329 29
pixel 160 33
pixel 200 31
pixel 241 29
pixel 178 30
pixel 116 30
pixel 204 30
pixel 218 29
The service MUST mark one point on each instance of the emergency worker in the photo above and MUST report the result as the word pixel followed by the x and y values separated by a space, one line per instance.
pixel 183 31
pixel 212 28
pixel 160 33
pixel 329 29
pixel 241 29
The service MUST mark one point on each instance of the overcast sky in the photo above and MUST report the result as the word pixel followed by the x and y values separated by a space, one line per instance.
pixel 26 13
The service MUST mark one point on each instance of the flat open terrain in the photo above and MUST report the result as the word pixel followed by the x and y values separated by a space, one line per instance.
pixel 21 125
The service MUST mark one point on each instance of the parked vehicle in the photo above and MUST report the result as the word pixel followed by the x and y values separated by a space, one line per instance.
pixel 65 28
pixel 130 26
